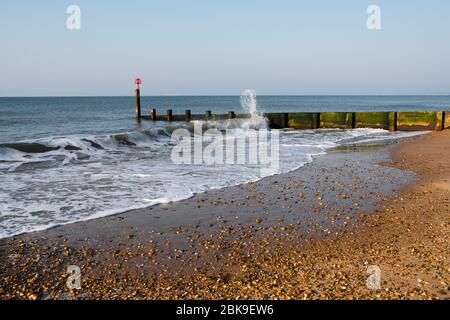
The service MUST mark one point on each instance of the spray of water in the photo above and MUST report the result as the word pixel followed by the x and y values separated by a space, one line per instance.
pixel 249 104
pixel 255 119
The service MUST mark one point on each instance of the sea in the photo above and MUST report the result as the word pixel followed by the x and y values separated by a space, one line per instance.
pixel 70 159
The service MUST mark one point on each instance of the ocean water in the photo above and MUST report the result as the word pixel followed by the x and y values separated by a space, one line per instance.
pixel 64 160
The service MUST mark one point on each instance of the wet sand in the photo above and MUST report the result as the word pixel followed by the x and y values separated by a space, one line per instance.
pixel 307 234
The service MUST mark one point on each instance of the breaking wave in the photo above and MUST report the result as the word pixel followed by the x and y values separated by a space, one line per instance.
pixel 65 179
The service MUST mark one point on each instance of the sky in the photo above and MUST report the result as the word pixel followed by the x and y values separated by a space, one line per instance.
pixel 212 47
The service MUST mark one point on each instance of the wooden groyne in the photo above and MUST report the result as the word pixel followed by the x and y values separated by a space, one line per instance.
pixel 392 121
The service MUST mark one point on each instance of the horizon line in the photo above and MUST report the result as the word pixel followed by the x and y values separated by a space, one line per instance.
pixel 232 95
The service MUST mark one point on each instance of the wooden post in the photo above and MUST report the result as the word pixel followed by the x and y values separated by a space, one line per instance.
pixel 169 115
pixel 285 120
pixel 138 104
pixel 231 115
pixel 351 120
pixel 393 121
pixel 444 120
pixel 208 115
pixel 152 113
pixel 188 115
pixel 440 121
pixel 316 120
pixel 321 121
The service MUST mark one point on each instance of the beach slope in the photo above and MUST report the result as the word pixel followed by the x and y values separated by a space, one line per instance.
pixel 317 233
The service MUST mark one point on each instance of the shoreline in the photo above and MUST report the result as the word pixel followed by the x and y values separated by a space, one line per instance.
pixel 383 145
pixel 69 195
pixel 320 162
pixel 205 251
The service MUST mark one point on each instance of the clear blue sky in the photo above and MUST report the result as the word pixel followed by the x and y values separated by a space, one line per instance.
pixel 215 47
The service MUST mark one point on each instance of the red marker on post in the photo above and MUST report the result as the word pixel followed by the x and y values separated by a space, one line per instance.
pixel 138 82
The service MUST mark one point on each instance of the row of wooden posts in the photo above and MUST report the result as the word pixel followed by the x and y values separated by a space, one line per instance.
pixel 309 120
pixel 171 117
pixel 283 122
pixel 188 116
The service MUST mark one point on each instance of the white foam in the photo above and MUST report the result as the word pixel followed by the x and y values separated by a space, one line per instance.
pixel 121 177
pixel 90 177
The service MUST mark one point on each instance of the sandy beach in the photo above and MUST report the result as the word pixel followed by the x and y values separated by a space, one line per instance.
pixel 307 234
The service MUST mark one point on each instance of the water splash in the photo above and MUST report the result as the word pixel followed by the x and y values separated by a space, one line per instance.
pixel 249 104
